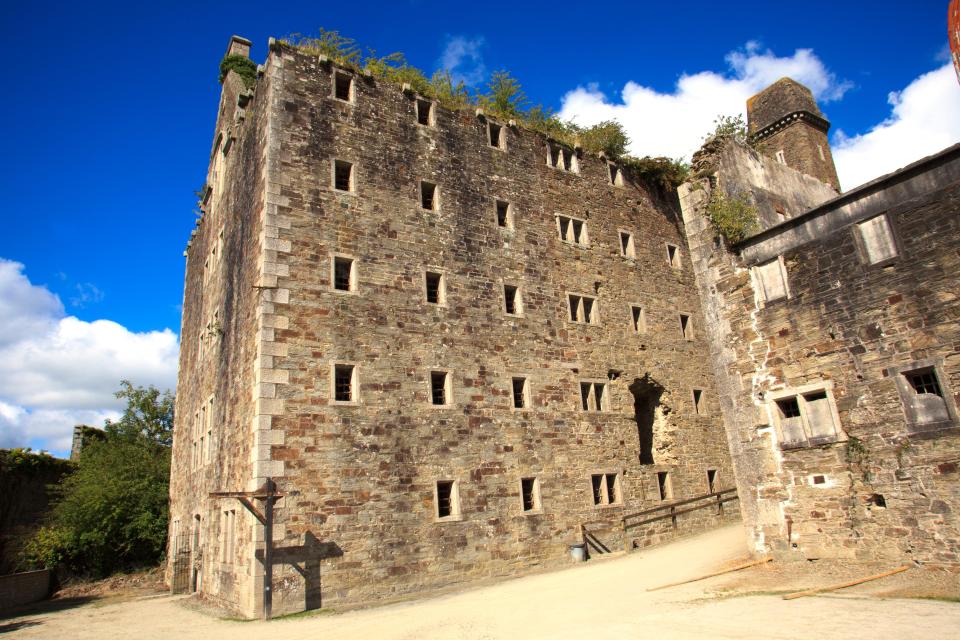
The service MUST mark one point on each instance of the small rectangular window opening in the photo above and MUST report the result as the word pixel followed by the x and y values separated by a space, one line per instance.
pixel 673 255
pixel 697 399
pixel 663 485
pixel 511 300
pixel 495 135
pixel 342 175
pixel 504 218
pixel 424 112
pixel 435 288
pixel 626 245
pixel 606 488
pixel 569 162
pixel 554 157
pixel 520 393
pixel 428 196
pixel 446 504
pixel 616 177
pixel 529 494
pixel 582 309
pixel 686 328
pixel 711 480
pixel 439 388
pixel 593 396
pixel 343 382
pixel 343 86
pixel 639 323
pixel 343 278
pixel 789 408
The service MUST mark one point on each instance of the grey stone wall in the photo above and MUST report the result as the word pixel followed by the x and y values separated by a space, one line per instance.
pixel 884 487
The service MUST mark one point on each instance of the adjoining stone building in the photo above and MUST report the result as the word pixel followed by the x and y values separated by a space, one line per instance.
pixel 835 333
pixel 452 342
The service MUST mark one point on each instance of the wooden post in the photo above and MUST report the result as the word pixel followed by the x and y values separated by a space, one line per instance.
pixel 268 550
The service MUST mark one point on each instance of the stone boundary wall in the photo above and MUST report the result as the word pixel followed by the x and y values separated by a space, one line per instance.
pixel 18 589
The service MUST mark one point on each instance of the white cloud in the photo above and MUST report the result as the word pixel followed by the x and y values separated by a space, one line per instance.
pixel 462 57
pixel 924 119
pixel 57 370
pixel 673 124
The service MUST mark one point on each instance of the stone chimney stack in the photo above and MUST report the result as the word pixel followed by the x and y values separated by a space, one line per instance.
pixel 239 47
pixel 785 118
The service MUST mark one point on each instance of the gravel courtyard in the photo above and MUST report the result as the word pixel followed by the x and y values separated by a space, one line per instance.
pixel 599 599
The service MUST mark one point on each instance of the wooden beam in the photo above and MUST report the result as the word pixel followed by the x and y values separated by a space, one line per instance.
pixel 717 573
pixel 834 587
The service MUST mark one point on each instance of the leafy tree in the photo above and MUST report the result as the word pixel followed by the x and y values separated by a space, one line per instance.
pixel 504 95
pixel 112 513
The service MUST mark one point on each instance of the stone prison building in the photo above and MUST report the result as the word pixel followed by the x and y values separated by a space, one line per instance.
pixel 458 347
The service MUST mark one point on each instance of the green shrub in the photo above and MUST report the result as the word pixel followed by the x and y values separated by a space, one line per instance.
pixel 242 65
pixel 734 217
pixel 608 136
pixel 663 173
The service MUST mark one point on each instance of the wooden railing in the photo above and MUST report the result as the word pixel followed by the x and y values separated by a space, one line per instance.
pixel 715 499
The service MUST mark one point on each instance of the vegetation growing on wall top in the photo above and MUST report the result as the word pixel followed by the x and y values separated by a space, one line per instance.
pixel 502 98
pixel 734 216
pixel 242 65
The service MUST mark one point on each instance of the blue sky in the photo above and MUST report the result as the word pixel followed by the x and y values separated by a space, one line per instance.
pixel 109 113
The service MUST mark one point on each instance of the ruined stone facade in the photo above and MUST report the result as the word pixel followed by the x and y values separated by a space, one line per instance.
pixel 452 343
pixel 835 337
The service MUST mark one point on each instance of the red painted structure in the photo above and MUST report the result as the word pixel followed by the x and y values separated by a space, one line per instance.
pixel 953 33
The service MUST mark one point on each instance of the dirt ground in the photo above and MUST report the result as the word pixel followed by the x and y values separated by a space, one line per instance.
pixel 599 599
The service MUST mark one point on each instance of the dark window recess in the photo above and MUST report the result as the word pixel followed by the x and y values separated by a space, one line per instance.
pixel 555 156
pixel 789 408
pixel 588 310
pixel 434 284
pixel 615 175
pixel 503 213
pixel 343 274
pixel 662 485
pixel 877 500
pixel 428 195
pixel 519 393
pixel 564 227
pixel 625 243
pixel 697 396
pixel 711 480
pixel 578 232
pixel 672 255
pixel 510 299
pixel 685 325
pixel 343 382
pixel 925 382
pixel 438 387
pixel 342 175
pixel 597 481
pixel 527 493
pixel 342 86
pixel 611 488
pixel 637 318
pixel 496 133
pixel 819 479
pixel 444 498
pixel 567 159
pixel 423 111
pixel 585 388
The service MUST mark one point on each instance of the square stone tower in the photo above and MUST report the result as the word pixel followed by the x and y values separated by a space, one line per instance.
pixel 785 118
pixel 456 346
